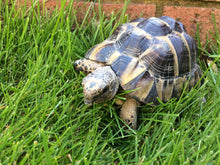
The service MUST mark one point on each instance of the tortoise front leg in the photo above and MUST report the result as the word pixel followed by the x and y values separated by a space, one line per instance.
pixel 129 112
pixel 87 66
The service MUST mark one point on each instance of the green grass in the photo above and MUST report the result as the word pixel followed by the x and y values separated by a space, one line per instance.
pixel 43 119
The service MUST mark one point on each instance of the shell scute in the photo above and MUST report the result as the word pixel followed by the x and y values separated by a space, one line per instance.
pixel 155 27
pixel 192 47
pixel 119 65
pixel 140 79
pixel 117 31
pixel 144 43
pixel 182 53
pixel 120 30
pixel 123 41
pixel 174 24
pixel 179 27
pixel 159 58
pixel 101 52
pixel 136 44
pixel 133 69
pixel 142 92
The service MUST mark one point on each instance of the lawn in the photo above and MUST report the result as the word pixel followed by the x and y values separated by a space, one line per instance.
pixel 43 119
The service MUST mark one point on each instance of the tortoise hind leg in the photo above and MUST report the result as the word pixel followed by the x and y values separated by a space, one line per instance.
pixel 87 66
pixel 128 113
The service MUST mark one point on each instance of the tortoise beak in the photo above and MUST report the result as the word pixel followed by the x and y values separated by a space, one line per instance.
pixel 88 102
pixel 87 96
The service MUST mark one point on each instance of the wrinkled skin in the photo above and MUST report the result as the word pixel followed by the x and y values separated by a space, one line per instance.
pixel 100 85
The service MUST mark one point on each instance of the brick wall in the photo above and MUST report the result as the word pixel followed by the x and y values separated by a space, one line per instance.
pixel 189 12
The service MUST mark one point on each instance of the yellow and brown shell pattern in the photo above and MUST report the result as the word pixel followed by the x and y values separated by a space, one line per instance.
pixel 155 57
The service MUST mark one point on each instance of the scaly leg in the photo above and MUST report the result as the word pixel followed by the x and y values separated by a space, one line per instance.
pixel 128 112
pixel 87 66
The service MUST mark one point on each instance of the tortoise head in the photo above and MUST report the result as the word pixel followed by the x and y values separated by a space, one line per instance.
pixel 100 85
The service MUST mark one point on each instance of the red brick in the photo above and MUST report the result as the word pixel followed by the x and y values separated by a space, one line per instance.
pixel 144 10
pixel 191 16
pixel 133 10
pixel 212 0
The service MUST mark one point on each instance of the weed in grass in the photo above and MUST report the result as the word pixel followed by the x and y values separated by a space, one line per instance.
pixel 43 119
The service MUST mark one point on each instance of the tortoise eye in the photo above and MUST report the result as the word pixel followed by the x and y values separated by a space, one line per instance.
pixel 105 90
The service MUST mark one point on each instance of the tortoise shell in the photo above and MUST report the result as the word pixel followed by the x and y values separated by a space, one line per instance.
pixel 155 57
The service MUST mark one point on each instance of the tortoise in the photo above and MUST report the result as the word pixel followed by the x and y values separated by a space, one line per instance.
pixel 153 58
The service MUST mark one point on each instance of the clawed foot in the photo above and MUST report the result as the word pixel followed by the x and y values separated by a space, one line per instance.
pixel 128 113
